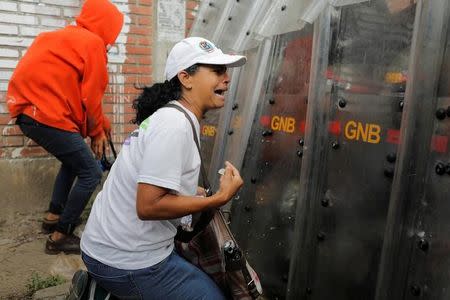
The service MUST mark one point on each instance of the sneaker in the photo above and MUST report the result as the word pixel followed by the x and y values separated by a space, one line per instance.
pixel 70 244
pixel 48 226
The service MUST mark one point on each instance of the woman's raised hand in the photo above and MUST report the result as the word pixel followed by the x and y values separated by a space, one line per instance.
pixel 230 182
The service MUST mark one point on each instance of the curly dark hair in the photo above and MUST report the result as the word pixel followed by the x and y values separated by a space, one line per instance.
pixel 156 96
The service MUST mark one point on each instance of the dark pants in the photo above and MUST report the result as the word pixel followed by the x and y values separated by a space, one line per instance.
pixel 68 199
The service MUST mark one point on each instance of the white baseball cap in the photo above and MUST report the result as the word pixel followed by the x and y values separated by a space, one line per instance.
pixel 197 50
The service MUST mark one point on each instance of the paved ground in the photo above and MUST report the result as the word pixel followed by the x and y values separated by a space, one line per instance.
pixel 22 254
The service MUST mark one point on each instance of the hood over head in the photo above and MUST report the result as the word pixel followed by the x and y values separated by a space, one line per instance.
pixel 102 18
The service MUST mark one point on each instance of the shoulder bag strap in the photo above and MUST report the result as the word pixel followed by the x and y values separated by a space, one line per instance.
pixel 207 215
pixel 205 180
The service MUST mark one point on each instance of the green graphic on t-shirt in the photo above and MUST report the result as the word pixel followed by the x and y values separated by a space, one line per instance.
pixel 144 124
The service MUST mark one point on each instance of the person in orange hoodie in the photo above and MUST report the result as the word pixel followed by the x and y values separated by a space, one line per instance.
pixel 55 94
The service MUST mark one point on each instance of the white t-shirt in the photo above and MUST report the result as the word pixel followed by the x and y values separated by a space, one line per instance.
pixel 161 152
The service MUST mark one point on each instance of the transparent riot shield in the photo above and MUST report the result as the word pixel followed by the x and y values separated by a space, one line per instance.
pixel 347 182
pixel 263 213
pixel 243 16
pixel 208 132
pixel 210 19
pixel 415 262
pixel 215 128
pixel 236 122
pixel 430 256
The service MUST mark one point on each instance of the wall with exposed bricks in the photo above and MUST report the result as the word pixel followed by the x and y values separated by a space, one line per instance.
pixel 27 171
pixel 130 61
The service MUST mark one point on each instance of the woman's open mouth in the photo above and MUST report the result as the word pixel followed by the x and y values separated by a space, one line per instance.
pixel 219 92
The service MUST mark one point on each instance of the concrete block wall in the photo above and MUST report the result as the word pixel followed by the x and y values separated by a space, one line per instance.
pixel 27 171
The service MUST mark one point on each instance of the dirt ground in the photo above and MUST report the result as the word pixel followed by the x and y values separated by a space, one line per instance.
pixel 22 254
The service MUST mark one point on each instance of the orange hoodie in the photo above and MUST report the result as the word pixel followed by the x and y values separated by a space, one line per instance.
pixel 62 78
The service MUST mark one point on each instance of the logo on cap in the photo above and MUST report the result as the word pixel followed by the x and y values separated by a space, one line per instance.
pixel 205 46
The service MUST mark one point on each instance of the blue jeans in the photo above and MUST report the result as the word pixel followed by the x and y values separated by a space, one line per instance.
pixel 172 279
pixel 77 162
